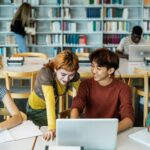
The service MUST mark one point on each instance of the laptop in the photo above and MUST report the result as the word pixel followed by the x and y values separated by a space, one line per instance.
pixel 92 134
pixel 138 52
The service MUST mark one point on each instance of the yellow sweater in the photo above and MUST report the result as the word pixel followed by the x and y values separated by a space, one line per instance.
pixel 36 102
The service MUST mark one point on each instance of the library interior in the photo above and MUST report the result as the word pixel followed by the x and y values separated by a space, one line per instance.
pixel 71 69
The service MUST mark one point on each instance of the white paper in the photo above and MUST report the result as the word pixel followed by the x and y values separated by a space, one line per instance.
pixel 142 136
pixel 25 130
pixel 5 136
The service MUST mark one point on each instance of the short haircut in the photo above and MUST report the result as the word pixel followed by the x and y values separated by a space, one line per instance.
pixel 64 60
pixel 137 30
pixel 105 58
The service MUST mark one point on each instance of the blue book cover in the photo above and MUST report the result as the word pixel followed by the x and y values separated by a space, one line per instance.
pixel 74 49
pixel 1 51
pixel 59 2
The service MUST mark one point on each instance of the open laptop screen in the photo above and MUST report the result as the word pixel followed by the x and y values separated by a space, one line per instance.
pixel 138 52
pixel 90 133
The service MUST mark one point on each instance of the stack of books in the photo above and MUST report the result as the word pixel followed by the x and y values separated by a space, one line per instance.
pixel 15 61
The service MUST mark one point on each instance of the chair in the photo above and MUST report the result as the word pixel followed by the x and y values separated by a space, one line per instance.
pixel 31 54
pixel 64 110
pixel 65 114
pixel 84 54
pixel 17 91
pixel 20 92
pixel 143 91
pixel 125 79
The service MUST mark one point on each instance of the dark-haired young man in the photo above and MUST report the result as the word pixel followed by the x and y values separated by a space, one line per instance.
pixel 133 39
pixel 104 96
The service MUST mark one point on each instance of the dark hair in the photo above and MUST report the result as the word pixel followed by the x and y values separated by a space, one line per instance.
pixel 137 30
pixel 105 58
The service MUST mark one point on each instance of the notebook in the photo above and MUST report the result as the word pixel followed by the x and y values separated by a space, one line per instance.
pixel 90 133
pixel 25 130
pixel 142 136
pixel 138 52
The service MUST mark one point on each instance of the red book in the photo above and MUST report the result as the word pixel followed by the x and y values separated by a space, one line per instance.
pixel 82 39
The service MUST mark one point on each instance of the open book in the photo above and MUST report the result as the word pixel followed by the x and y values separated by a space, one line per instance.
pixel 25 130
pixel 142 136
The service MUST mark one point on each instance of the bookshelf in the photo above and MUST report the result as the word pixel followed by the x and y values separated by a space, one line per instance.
pixel 80 26
pixel 119 18
pixel 86 23
pixel 146 19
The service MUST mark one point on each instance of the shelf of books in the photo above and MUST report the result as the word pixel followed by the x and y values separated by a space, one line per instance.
pixel 80 26
pixel 119 16
pixel 7 40
pixel 146 20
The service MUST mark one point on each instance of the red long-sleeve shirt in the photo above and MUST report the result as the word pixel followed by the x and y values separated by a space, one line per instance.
pixel 111 101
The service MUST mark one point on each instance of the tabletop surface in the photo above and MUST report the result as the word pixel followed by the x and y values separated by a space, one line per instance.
pixel 30 65
pixel 123 142
pixel 23 144
pixel 126 69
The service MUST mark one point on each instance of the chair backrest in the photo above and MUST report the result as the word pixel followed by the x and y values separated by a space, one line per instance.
pixel 125 79
pixel 31 54
pixel 64 110
pixel 145 74
pixel 19 91
pixel 84 54
pixel 65 114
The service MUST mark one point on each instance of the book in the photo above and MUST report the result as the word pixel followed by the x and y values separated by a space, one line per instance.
pixel 25 130
pixel 82 40
pixel 10 39
pixel 142 136
pixel 17 61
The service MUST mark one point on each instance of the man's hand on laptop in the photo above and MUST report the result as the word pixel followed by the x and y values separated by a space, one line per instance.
pixel 49 135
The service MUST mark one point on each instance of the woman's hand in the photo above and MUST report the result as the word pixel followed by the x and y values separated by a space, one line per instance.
pixel 51 134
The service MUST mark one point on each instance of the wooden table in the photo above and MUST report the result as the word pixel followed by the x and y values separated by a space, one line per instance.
pixel 30 65
pixel 34 64
pixel 126 69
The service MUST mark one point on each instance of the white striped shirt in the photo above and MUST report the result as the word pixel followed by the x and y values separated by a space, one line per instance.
pixel 126 41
